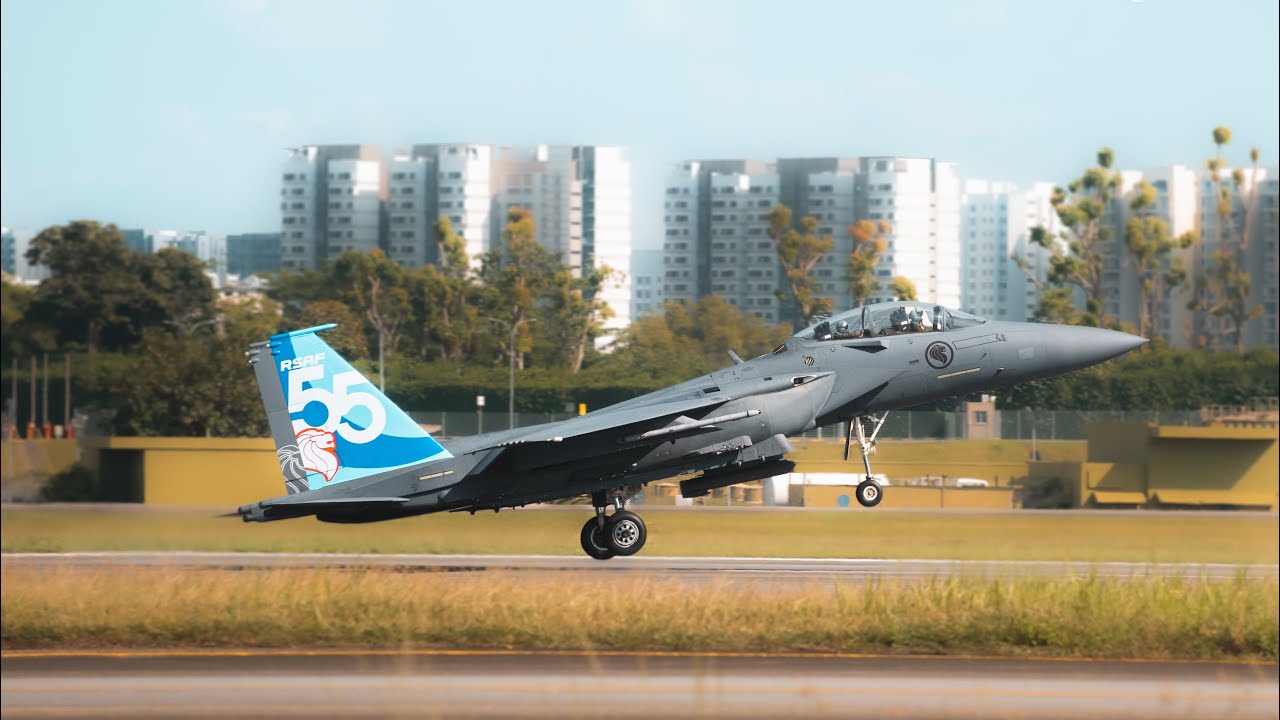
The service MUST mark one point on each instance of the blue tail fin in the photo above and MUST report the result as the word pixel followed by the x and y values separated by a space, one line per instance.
pixel 329 423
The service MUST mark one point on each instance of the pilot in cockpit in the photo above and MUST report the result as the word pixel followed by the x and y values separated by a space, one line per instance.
pixel 900 320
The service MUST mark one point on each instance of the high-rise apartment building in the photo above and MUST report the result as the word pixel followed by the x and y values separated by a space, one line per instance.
pixel 646 283
pixel 741 260
pixel 691 208
pixel 579 196
pixel 995 227
pixel 330 202
pixel 605 176
pixel 920 199
pixel 716 217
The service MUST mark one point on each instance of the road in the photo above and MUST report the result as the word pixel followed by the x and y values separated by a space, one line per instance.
pixel 785 570
pixel 623 685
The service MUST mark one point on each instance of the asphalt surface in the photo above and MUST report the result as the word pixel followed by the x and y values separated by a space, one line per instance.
pixel 550 685
pixel 775 570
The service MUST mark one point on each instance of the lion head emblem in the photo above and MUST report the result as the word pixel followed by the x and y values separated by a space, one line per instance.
pixel 316 447
pixel 938 354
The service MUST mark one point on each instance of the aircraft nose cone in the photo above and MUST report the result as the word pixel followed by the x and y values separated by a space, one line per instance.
pixel 1076 347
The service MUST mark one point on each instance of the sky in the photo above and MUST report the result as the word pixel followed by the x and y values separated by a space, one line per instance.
pixel 161 114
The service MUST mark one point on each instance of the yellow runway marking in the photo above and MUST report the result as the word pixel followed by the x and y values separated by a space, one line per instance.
pixel 282 652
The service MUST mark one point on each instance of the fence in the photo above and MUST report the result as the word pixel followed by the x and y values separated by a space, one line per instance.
pixel 913 424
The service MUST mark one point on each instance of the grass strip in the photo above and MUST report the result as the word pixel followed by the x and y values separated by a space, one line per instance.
pixel 1080 536
pixel 1154 618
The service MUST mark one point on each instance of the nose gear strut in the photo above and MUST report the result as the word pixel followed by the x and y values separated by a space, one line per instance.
pixel 869 492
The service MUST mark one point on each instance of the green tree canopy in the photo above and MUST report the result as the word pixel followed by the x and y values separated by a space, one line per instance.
pixel 799 250
pixel 1147 237
pixel 94 297
pixel 860 270
pixel 1225 289
pixel 902 288
pixel 1078 253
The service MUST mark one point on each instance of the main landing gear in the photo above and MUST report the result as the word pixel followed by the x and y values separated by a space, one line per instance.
pixel 869 492
pixel 622 533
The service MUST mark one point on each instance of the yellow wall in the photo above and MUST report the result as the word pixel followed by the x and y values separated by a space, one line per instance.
pixel 899 498
pixel 1139 464
pixel 210 477
pixel 25 464
pixel 190 471
pixel 998 461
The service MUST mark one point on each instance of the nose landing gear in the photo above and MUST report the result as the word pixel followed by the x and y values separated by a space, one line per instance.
pixel 869 492
pixel 622 533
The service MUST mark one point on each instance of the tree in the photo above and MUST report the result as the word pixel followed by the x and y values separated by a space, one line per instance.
pixel 517 274
pixel 798 251
pixel 574 314
pixel 860 271
pixel 445 298
pixel 348 338
pixel 902 288
pixel 373 286
pixel 1078 253
pixel 93 292
pixel 177 292
pixel 15 300
pixel 1149 242
pixel 1057 305
pixel 686 340
pixel 1225 289
pixel 182 385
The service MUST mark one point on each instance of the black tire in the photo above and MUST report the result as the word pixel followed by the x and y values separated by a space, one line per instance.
pixel 869 493
pixel 593 537
pixel 625 533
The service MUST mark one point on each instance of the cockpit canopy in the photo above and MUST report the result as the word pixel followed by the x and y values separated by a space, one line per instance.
pixel 889 318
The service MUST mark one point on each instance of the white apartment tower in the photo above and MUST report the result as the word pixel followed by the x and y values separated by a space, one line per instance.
pixel 410 226
pixel 580 199
pixel 995 226
pixel 336 198
pixel 917 197
pixel 920 199
pixel 742 262
pixel 452 180
pixel 330 202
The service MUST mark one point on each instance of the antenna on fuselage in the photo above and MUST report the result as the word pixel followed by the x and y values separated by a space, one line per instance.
pixel 735 357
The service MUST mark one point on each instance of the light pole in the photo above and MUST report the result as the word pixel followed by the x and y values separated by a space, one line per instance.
pixel 511 368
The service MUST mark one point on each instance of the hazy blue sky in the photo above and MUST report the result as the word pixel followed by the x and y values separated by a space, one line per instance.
pixel 171 114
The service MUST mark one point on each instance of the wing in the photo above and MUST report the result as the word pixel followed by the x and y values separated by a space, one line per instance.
pixel 286 507
pixel 621 419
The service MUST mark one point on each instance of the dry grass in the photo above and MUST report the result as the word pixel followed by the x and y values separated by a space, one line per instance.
pixel 1093 617
pixel 1084 536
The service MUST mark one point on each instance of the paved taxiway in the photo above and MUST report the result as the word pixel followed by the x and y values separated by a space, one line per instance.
pixel 785 570
pixel 623 685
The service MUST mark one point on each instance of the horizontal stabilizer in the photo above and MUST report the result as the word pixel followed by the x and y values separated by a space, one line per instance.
pixel 282 508
pixel 339 502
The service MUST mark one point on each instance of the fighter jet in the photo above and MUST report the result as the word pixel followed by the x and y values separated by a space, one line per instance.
pixel 350 455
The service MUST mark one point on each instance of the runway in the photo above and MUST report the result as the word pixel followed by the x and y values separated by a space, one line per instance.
pixel 623 685
pixel 786 570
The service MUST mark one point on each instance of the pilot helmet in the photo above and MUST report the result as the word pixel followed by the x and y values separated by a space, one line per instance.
pixel 842 326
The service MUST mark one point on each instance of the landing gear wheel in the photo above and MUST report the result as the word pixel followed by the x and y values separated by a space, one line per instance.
pixel 593 540
pixel 869 493
pixel 625 533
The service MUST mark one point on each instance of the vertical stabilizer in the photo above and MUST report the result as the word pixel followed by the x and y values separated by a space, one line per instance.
pixel 329 423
